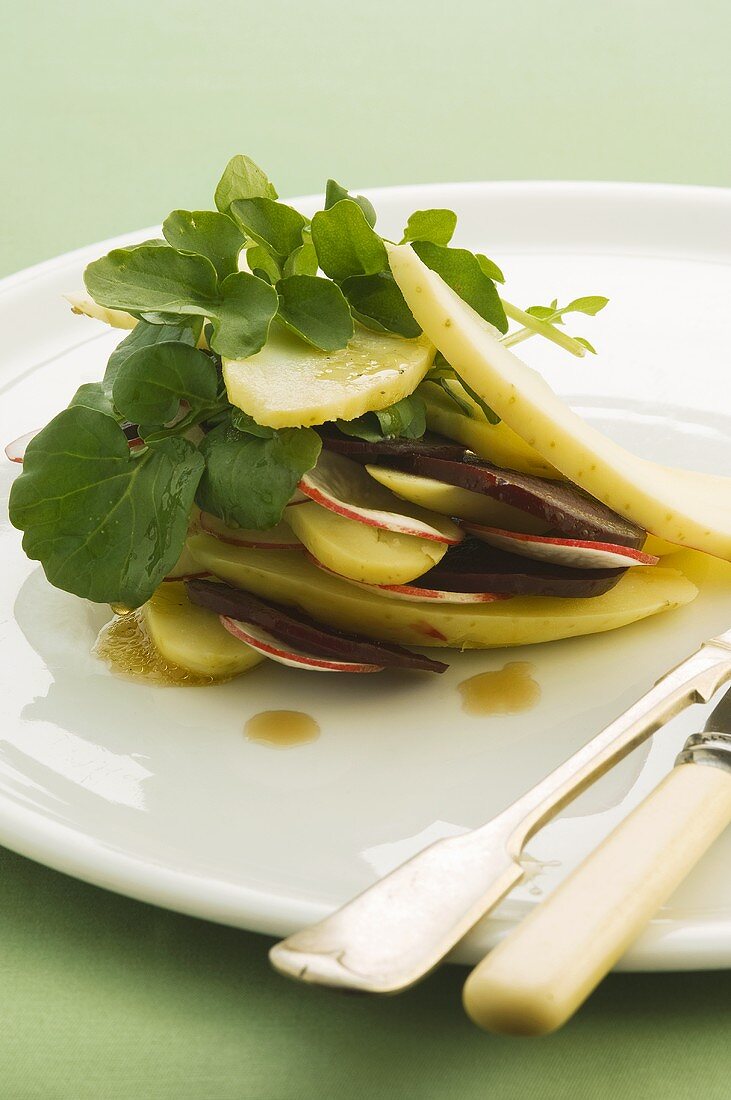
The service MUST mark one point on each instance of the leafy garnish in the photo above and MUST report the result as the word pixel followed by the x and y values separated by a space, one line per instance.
pixel 153 381
pixel 335 193
pixel 153 279
pixel 542 320
pixel 206 233
pixel 437 226
pixel 186 330
pixel 273 225
pixel 249 479
pixel 377 302
pixel 106 524
pixel 462 271
pixel 242 179
pixel 316 310
pixel 346 244
pixel 442 374
pixel 242 315
pixel 406 419
pixel 303 261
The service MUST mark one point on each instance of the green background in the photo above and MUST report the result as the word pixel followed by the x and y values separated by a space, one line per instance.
pixel 112 115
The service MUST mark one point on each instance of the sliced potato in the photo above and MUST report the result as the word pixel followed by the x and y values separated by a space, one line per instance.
pixel 451 500
pixel 289 384
pixel 681 506
pixel 192 637
pixel 362 552
pixel 494 442
pixel 287 577
pixel 117 318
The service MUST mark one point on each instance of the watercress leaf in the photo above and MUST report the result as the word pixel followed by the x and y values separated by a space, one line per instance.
pixel 316 310
pixel 406 419
pixel 262 263
pixel 206 233
pixel 544 313
pixel 242 179
pixel 437 226
pixel 377 303
pixel 461 270
pixel 248 480
pixel 273 225
pixel 242 316
pixel 105 525
pixel 303 261
pixel 94 395
pixel 490 268
pixel 334 193
pixel 590 305
pixel 345 243
pixel 154 380
pixel 245 423
pixel 148 280
pixel 585 344
pixel 185 330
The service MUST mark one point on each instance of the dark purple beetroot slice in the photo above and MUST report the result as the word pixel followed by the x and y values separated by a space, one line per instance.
pixel 361 450
pixel 298 630
pixel 473 566
pixel 565 508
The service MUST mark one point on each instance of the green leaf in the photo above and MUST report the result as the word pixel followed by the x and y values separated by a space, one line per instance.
pixel 249 480
pixel 242 317
pixel 591 305
pixel 490 268
pixel 316 310
pixel 242 179
pixel 346 244
pixel 93 395
pixel 461 270
pixel 105 524
pixel 245 423
pixel 437 226
pixel 585 344
pixel 335 193
pixel 303 261
pixel 443 373
pixel 206 233
pixel 377 303
pixel 274 225
pixel 262 264
pixel 406 419
pixel 154 380
pixel 144 335
pixel 152 279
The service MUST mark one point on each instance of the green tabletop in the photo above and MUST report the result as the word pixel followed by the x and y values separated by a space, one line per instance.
pixel 112 115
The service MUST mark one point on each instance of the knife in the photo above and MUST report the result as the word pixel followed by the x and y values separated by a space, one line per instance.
pixel 537 977
pixel 399 929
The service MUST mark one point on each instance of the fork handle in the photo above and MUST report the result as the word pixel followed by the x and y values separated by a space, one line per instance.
pixel 537 977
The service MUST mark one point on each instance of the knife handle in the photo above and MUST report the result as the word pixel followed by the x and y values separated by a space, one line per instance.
pixel 537 977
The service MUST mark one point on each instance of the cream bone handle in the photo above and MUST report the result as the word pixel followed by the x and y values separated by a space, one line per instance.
pixel 537 977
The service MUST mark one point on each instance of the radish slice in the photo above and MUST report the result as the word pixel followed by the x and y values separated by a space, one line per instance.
pixel 15 451
pixel 280 537
pixel 344 487
pixel 271 647
pixel 580 554
pixel 413 592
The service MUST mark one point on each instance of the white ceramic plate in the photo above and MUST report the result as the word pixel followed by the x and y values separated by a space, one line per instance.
pixel 156 793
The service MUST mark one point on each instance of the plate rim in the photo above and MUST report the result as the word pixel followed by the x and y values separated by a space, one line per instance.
pixel 700 943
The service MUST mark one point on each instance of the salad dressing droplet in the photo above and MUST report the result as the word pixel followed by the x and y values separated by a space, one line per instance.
pixel 127 649
pixel 282 729
pixel 507 690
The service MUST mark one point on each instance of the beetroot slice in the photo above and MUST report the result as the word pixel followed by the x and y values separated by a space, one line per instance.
pixel 474 566
pixel 566 510
pixel 361 450
pixel 301 632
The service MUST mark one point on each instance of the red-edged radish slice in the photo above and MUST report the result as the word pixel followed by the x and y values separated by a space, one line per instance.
pixel 280 537
pixel 15 451
pixel 577 553
pixel 413 592
pixel 271 647
pixel 344 487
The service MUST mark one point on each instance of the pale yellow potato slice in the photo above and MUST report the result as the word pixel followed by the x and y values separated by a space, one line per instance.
pixel 117 318
pixel 680 506
pixel 494 442
pixel 289 578
pixel 289 384
pixel 359 551
pixel 193 637
pixel 451 500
